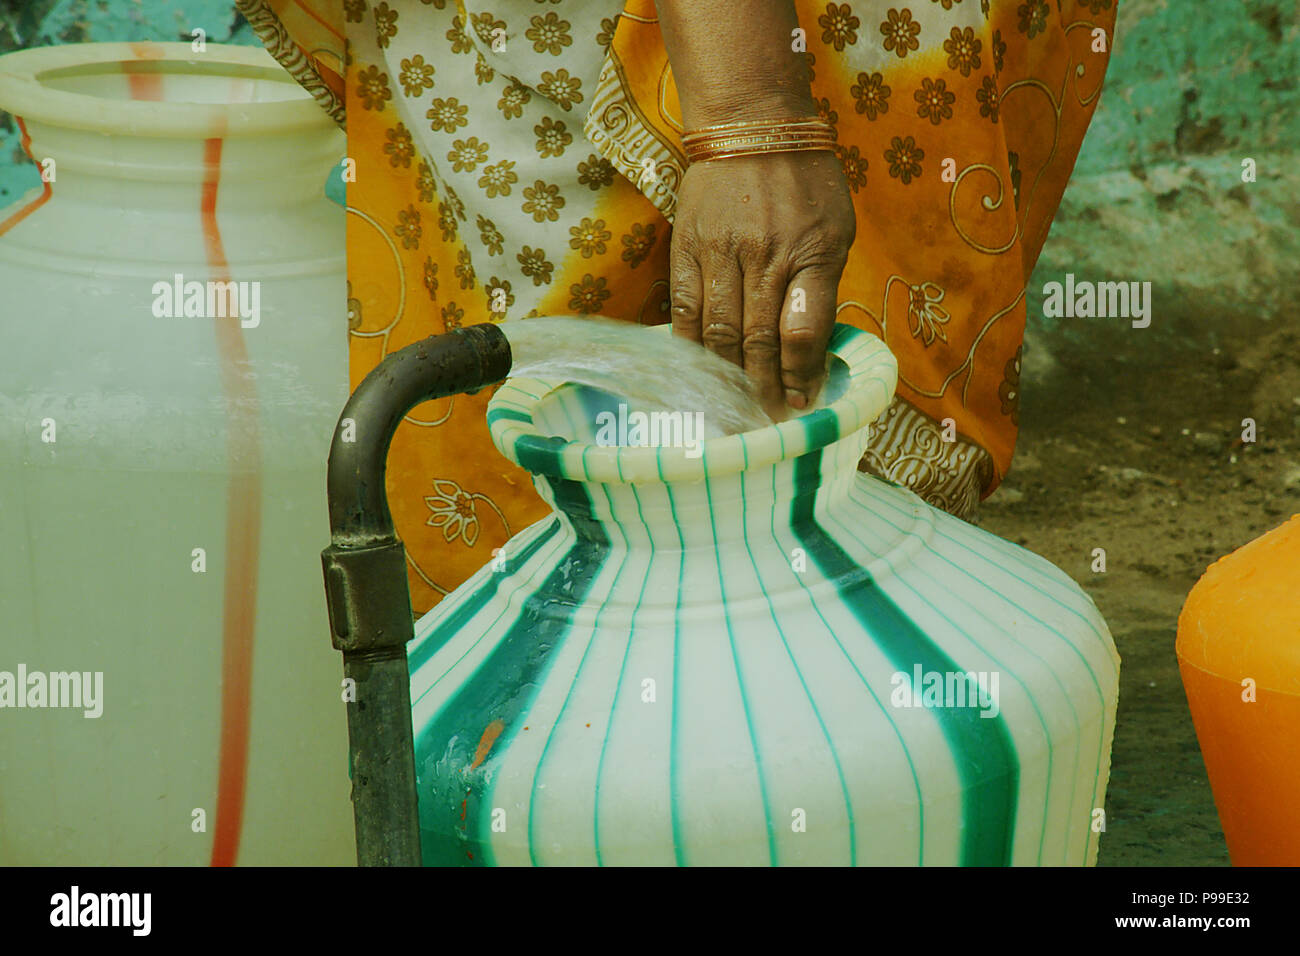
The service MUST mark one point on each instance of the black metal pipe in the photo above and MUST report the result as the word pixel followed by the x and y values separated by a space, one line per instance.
pixel 365 577
pixel 463 360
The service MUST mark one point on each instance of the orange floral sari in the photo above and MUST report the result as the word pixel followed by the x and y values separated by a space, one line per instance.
pixel 515 158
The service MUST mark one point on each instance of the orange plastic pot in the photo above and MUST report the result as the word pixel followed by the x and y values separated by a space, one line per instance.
pixel 1239 653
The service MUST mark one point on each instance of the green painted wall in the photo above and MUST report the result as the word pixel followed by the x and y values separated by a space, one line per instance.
pixel 1157 195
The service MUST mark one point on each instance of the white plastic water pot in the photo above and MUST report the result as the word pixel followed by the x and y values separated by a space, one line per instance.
pixel 163 440
pixel 750 653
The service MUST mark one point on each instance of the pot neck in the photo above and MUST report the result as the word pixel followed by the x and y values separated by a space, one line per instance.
pixel 706 514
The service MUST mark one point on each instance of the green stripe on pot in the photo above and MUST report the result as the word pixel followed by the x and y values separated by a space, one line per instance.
pixel 982 749
pixel 540 454
pixel 450 821
pixel 760 772
pixel 559 717
pixel 1003 668
pixel 1016 560
pixel 622 674
pixel 812 702
pixel 508 414
pixel 448 627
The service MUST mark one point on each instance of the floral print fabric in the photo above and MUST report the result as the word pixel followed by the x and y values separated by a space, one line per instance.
pixel 520 157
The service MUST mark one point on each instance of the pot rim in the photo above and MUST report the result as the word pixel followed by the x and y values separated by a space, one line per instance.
pixel 24 93
pixel 872 379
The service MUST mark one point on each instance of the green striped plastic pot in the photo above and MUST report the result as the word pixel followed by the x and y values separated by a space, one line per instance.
pixel 754 655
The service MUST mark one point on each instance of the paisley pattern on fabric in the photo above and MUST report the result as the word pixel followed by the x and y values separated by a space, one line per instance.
pixel 516 158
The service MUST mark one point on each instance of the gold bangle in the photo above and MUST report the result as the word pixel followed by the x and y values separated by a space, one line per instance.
pixel 792 148
pixel 729 150
pixel 726 142
pixel 729 140
pixel 755 126
pixel 754 149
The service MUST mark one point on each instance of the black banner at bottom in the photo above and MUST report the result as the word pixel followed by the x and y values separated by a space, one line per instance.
pixel 334 906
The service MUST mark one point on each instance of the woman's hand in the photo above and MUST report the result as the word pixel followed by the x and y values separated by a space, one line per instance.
pixel 758 246
pixel 758 242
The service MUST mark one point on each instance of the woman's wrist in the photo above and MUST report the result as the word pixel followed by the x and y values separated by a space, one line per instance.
pixel 731 106
pixel 734 62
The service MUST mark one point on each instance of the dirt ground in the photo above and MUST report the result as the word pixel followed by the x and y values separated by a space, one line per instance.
pixel 1146 461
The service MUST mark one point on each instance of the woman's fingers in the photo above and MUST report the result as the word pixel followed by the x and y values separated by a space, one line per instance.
pixel 723 326
pixel 764 290
pixel 807 320
pixel 686 292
